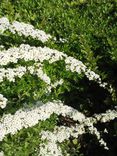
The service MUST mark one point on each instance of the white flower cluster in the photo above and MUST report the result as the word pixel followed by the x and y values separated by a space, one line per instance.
pixel 29 30
pixel 12 73
pixel 75 65
pixel 3 101
pixel 54 85
pixel 28 118
pixel 50 149
pixel 28 53
pixel 11 124
pixel 95 132
pixel 60 82
pixel 106 117
pixel 1 153
pixel 62 133
pixel 59 135
pixel 4 24
pixel 40 54
pixel 23 29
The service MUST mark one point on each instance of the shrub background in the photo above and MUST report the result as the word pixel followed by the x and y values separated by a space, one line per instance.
pixel 89 28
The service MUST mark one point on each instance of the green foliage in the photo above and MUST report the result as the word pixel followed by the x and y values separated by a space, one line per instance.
pixel 72 147
pixel 89 28
pixel 26 142
pixel 25 90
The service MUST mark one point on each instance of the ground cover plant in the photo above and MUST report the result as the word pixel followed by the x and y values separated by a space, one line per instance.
pixel 58 81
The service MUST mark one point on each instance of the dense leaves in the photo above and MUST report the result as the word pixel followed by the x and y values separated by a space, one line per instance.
pixel 88 28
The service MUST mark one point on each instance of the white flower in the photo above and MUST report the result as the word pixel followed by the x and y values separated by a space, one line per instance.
pixel 4 24
pixel 3 101
pixel 23 29
pixel 1 153
pixel 60 82
pixel 28 118
pixel 39 54
pixel 2 132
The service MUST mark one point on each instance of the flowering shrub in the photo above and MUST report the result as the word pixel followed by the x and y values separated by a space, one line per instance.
pixel 77 97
